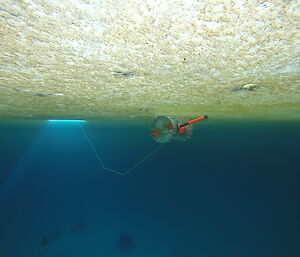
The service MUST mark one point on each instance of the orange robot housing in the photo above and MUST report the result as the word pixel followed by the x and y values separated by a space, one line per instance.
pixel 163 129
pixel 184 128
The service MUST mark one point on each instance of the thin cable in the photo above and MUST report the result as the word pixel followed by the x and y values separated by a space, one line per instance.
pixel 94 150
pixel 112 170
pixel 143 159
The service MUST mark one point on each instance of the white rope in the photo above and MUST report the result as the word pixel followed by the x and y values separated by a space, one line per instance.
pixel 93 148
pixel 143 159
pixel 112 170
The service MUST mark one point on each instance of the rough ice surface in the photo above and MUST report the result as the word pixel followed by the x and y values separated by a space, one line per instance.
pixel 111 58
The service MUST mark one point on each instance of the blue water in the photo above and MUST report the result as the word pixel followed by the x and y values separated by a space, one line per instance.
pixel 231 191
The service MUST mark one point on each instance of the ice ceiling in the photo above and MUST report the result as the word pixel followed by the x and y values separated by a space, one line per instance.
pixel 134 59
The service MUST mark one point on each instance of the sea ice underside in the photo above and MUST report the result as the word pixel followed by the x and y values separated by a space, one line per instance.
pixel 94 60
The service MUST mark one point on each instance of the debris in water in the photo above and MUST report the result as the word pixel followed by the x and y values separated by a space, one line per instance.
pixel 41 94
pixel 79 226
pixel 126 74
pixel 55 234
pixel 27 91
pixel 125 243
pixel 44 241
pixel 247 87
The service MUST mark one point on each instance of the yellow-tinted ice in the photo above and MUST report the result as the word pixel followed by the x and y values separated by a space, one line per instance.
pixel 94 59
